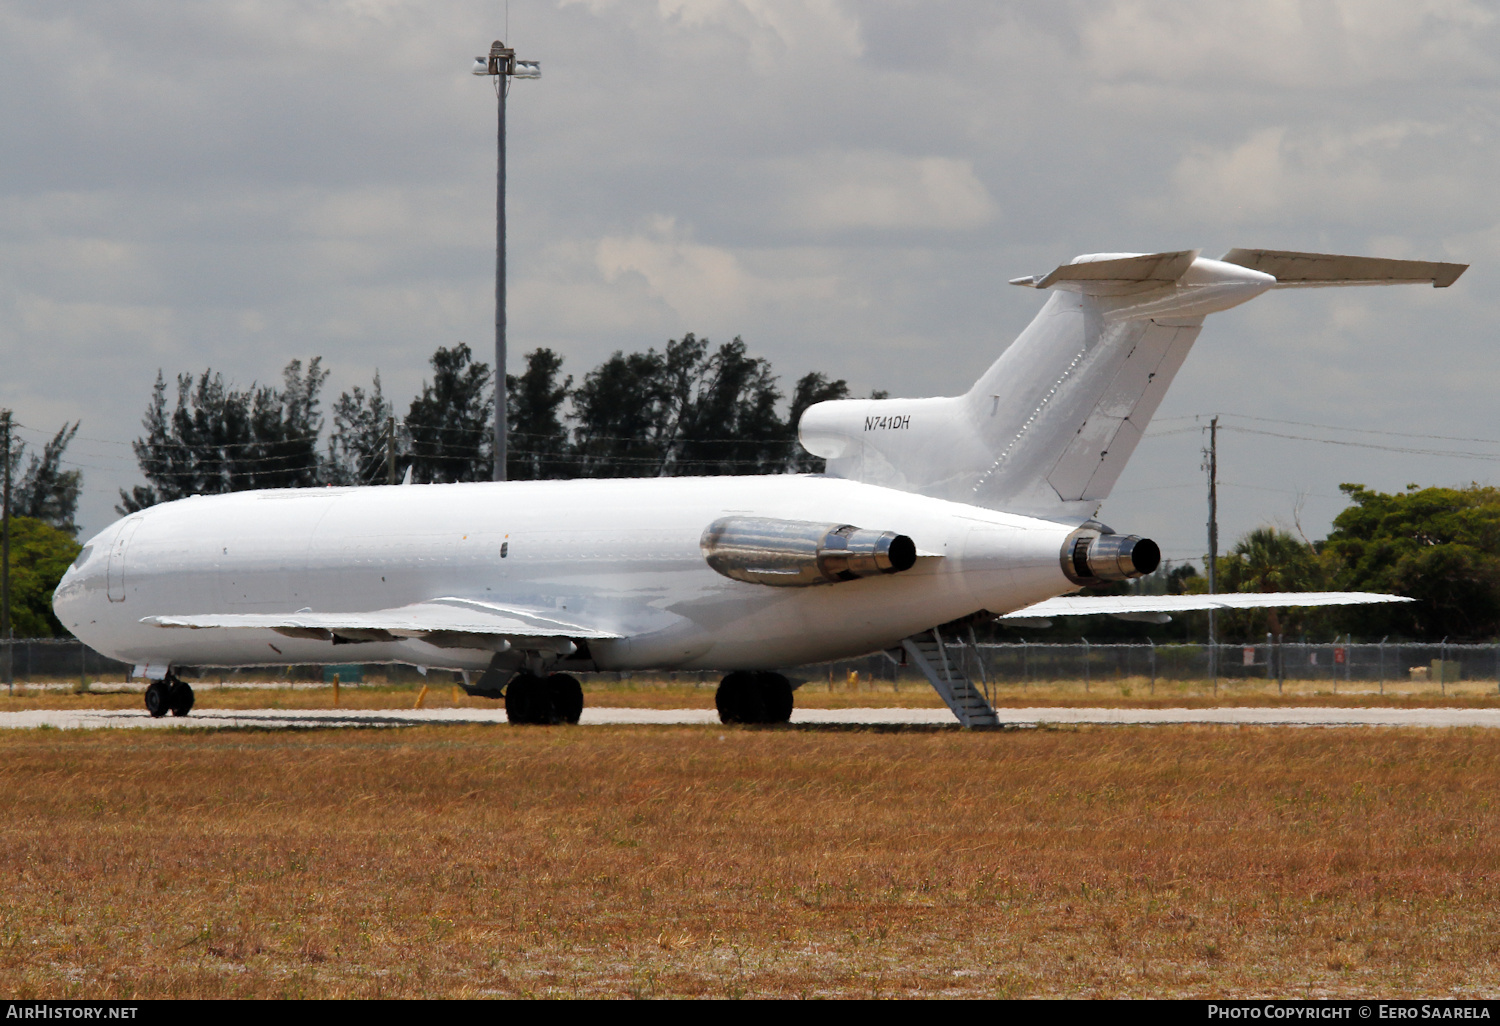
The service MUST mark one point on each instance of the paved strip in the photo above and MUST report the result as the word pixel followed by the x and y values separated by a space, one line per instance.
pixel 280 719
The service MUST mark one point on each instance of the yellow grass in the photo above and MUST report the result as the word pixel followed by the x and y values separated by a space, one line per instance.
pixel 661 692
pixel 467 861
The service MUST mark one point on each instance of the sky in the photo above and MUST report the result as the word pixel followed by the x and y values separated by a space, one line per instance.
pixel 846 186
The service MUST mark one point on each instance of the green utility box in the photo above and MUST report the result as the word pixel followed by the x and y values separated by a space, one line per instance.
pixel 1445 671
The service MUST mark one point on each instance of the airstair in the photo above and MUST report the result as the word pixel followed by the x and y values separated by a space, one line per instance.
pixel 937 659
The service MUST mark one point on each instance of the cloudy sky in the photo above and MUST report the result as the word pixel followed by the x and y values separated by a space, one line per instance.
pixel 845 185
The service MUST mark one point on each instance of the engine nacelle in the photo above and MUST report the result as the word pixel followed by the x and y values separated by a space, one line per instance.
pixel 1094 554
pixel 797 553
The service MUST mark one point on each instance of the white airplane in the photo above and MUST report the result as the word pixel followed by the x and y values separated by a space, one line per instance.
pixel 931 510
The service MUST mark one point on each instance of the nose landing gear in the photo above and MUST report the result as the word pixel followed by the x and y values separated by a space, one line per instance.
pixel 754 697
pixel 169 695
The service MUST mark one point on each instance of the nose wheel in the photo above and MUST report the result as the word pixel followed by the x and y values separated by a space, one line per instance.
pixel 169 695
pixel 754 697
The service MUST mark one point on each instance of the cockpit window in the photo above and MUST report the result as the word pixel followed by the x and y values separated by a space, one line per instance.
pixel 83 557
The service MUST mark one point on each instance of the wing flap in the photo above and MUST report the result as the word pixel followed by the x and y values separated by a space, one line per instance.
pixel 439 620
pixel 1095 605
pixel 1319 270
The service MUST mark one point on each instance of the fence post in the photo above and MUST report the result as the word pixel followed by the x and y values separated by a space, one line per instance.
pixel 1382 664
pixel 1025 666
pixel 1085 665
pixel 1152 643
pixel 1280 662
pixel 1443 667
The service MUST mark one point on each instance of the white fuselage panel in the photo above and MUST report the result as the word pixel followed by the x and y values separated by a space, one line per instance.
pixel 616 555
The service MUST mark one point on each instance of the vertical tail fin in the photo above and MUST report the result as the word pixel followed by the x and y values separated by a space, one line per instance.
pixel 1049 427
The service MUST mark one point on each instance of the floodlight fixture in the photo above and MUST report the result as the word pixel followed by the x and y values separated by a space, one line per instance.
pixel 501 64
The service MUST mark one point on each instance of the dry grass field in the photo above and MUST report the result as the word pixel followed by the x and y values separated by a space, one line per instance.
pixel 469 861
pixel 665 693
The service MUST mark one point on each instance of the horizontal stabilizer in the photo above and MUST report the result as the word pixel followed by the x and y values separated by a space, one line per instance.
pixel 1321 270
pixel 1104 273
pixel 1095 605
pixel 445 622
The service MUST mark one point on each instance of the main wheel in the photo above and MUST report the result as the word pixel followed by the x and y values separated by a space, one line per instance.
pixel 567 696
pixel 180 698
pixel 528 700
pixel 740 699
pixel 776 696
pixel 158 698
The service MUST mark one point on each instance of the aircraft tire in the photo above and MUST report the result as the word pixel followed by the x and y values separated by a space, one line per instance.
pixel 180 698
pixel 741 699
pixel 158 698
pixel 527 700
pixel 776 693
pixel 567 696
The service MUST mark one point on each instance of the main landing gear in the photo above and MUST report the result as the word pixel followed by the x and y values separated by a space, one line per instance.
pixel 169 695
pixel 556 698
pixel 754 697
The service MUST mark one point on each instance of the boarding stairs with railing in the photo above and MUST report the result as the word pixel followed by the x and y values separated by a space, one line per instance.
pixel 939 663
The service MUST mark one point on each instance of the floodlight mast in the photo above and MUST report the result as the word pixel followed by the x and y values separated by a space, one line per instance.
pixel 503 66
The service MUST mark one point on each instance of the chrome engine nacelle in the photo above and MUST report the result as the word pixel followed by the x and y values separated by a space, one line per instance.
pixel 797 553
pixel 1094 554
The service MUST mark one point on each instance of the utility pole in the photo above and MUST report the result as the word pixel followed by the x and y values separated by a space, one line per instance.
pixel 502 64
pixel 390 450
pixel 1213 544
pixel 5 631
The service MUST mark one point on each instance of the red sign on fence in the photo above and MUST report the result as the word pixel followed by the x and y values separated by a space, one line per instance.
pixel 1249 655
pixel 1338 654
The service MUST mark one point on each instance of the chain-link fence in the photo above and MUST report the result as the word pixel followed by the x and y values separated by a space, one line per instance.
pixel 56 659
pixel 1437 664
pixel 1332 663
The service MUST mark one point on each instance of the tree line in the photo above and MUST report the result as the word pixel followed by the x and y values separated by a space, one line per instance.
pixel 690 409
pixel 1437 546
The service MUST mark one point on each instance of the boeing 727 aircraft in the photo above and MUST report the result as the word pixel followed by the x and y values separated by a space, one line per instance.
pixel 931 510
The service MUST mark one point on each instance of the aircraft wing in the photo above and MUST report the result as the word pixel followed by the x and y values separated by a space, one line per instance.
pixel 445 622
pixel 1136 605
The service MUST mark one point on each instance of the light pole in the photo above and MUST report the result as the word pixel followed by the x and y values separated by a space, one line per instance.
pixel 503 66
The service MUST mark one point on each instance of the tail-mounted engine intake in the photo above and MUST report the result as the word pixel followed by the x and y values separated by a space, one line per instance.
pixel 1094 554
pixel 796 553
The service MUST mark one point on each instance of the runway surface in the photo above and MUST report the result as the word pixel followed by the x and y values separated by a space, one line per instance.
pixel 280 719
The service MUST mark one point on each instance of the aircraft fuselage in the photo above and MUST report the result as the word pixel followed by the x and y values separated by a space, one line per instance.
pixel 620 555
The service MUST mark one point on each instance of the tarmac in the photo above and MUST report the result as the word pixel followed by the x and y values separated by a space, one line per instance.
pixel 283 719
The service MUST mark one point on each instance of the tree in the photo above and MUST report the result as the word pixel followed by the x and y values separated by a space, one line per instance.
pixel 811 388
pixel 218 439
pixel 1440 546
pixel 39 556
pixel 619 410
pixel 359 440
pixel 1266 560
pixel 537 446
pixel 449 424
pixel 690 409
pixel 45 491
pixel 725 417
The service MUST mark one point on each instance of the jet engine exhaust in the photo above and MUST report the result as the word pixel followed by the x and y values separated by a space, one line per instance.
pixel 1091 556
pixel 797 553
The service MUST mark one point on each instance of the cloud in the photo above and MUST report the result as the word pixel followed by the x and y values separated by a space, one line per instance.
pixel 703 284
pixel 839 191
pixel 1317 172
